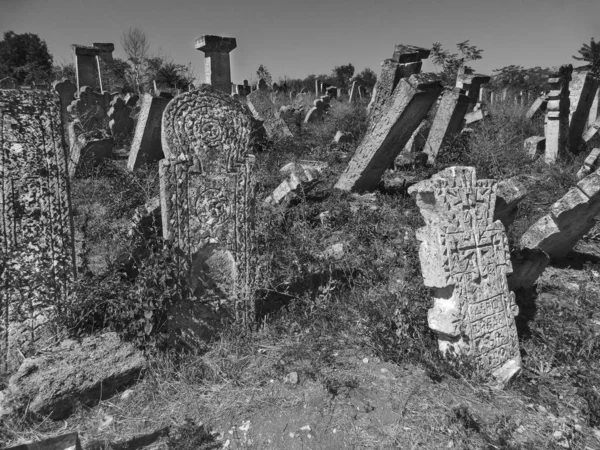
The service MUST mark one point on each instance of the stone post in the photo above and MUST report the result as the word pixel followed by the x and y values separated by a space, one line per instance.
pixel 106 63
pixel 217 68
pixel 87 68
pixel 471 83
pixel 557 114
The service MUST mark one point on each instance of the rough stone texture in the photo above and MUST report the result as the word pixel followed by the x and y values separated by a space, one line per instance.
pixel 447 123
pixel 87 66
pixel 51 385
pixel 509 194
pixel 570 218
pixel 207 191
pixel 475 116
pixel 263 109
pixel 590 164
pixel 592 131
pixel 594 110
pixel 582 89
pixel 64 442
pixel 119 121
pixel 385 138
pixel 146 146
pixel 465 259
pixel 557 114
pixel 86 151
pixel 301 177
pixel 217 68
pixel 534 146
pixel 90 108
pixel 9 83
pixel 37 248
pixel 537 107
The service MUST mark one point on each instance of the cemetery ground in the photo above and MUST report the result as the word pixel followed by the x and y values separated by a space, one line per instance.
pixel 342 355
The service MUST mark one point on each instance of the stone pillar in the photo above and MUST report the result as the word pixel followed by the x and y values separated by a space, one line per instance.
pixel 87 68
pixel 447 122
pixel 471 83
pixel 582 92
pixel 557 114
pixel 217 68
pixel 594 110
pixel 106 62
pixel 353 93
pixel 408 105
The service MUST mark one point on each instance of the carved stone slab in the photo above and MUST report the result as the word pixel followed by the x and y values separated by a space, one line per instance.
pixel 263 109
pixel 36 229
pixel 465 259
pixel 208 193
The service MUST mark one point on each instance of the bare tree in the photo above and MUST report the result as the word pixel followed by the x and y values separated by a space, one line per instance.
pixel 136 47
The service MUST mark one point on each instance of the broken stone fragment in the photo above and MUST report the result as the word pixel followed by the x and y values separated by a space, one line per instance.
pixel 300 177
pixel 508 196
pixel 590 164
pixel 407 160
pixel 475 116
pixel 534 146
pixel 342 138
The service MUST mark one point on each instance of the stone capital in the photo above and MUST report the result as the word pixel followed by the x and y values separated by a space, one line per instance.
pixel 215 44
pixel 410 53
pixel 83 50
pixel 107 47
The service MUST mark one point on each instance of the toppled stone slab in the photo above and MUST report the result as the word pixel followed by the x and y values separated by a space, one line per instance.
pixel 475 116
pixel 508 196
pixel 590 164
pixel 465 259
pixel 534 146
pixel 65 442
pixel 570 218
pixel 300 177
pixel 52 384
pixel 88 151
pixel 146 146
pixel 537 108
pixel 411 100
pixel 583 89
pixel 263 109
pixel 471 83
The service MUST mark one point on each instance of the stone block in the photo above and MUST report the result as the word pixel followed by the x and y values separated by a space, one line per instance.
pixel 301 177
pixel 583 88
pixel 557 115
pixel 64 442
pixel 534 146
pixel 90 108
pixel 508 196
pixel 528 265
pixel 263 109
pixel 146 146
pixel 465 259
pixel 475 116
pixel 384 139
pixel 590 164
pixel 570 218
pixel 537 108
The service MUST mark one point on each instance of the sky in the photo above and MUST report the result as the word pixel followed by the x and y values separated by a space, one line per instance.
pixel 295 38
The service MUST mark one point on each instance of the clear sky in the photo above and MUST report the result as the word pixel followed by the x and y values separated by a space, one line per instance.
pixel 301 37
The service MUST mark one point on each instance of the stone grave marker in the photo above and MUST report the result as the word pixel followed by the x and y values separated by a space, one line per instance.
pixel 316 113
pixel 37 248
pixel 87 68
pixel 91 108
pixel 465 258
pixel 557 114
pixel 207 190
pixel 582 90
pixel 118 117
pixel 106 65
pixel 146 146
pixel 538 107
pixel 385 138
pixel 217 67
pixel 592 131
pixel 263 109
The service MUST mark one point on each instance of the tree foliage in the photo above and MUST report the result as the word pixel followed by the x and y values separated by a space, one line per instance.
pixel 367 78
pixel 518 78
pixel 264 73
pixel 342 75
pixel 590 53
pixel 450 63
pixel 25 57
pixel 136 46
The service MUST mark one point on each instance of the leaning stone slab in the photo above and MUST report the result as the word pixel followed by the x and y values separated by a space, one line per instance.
pixel 583 89
pixel 53 384
pixel 475 116
pixel 508 196
pixel 263 109
pixel 570 218
pixel 465 259
pixel 537 108
pixel 207 192
pixel 386 138
pixel 471 82
pixel 301 177
pixel 146 146
pixel 65 442
pixel 590 164
pixel 592 131
pixel 85 151
pixel 36 222
pixel 447 123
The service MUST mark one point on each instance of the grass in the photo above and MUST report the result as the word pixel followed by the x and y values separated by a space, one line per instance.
pixel 352 325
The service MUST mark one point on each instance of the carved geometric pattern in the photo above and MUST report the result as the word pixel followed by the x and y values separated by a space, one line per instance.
pixel 37 251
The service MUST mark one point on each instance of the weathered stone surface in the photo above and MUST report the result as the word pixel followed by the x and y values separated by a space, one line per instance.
pixel 9 83
pixel 385 138
pixel 583 89
pixel 557 114
pixel 590 164
pixel 447 123
pixel 508 196
pixel 570 218
pixel 592 131
pixel 316 113
pixel 146 146
pixel 207 193
pixel 417 141
pixel 217 69
pixel 90 108
pixel 534 146
pixel 119 121
pixel 36 224
pixel 353 97
pixel 475 116
pixel 465 259
pixel 537 107
pixel 263 109
pixel 86 66
pixel 301 177
pixel 409 53
pixel 471 83
pixel 64 442
pixel 106 65
pixel 86 151
pixel 53 384
pixel 66 91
